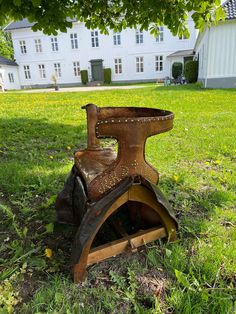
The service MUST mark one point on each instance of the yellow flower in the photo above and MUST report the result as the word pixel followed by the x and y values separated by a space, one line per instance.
pixel 207 163
pixel 175 178
pixel 68 148
pixel 217 162
pixel 48 252
pixel 51 157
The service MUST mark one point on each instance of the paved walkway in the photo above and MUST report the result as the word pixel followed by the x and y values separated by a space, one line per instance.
pixel 82 89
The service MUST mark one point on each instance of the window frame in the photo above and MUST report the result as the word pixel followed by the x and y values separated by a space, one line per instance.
pixel 27 72
pixel 139 36
pixel 74 41
pixel 42 71
pixel 38 45
pixel 54 44
pixel 117 39
pixel 76 68
pixel 139 64
pixel 94 39
pixel 159 63
pixel 57 69
pixel 160 36
pixel 11 77
pixel 23 47
pixel 118 66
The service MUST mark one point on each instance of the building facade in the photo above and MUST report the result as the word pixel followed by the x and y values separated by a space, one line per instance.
pixel 216 51
pixel 133 55
pixel 9 78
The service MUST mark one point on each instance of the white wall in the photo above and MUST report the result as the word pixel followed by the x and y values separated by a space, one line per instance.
pixel 4 71
pixel 127 51
pixel 216 48
pixel 222 50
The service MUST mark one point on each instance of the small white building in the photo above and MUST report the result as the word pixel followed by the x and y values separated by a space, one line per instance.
pixel 132 55
pixel 215 50
pixel 8 74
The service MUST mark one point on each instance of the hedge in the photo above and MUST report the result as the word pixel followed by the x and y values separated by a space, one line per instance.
pixel 84 76
pixel 177 69
pixel 107 76
pixel 191 71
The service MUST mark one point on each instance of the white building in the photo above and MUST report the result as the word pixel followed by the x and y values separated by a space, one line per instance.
pixel 8 74
pixel 132 55
pixel 216 51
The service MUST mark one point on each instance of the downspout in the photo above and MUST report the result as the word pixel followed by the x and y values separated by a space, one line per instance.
pixel 207 59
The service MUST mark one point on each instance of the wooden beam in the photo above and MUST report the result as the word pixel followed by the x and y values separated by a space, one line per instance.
pixel 116 247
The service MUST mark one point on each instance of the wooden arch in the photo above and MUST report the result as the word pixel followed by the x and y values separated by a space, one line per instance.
pixel 136 193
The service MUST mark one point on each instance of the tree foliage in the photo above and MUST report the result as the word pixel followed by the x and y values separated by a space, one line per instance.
pixel 6 48
pixel 54 15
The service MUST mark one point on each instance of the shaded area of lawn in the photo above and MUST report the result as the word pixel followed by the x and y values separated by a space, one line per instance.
pixel 197 165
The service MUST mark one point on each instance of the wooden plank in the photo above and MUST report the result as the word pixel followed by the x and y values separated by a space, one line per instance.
pixel 116 247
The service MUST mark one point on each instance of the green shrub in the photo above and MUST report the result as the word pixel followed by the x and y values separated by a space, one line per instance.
pixel 191 71
pixel 177 69
pixel 107 76
pixel 84 76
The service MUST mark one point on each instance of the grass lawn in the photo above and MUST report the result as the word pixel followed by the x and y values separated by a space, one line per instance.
pixel 197 166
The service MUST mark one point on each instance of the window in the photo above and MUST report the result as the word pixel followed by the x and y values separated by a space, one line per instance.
pixel 27 72
pixel 57 68
pixel 160 36
pixel 54 44
pixel 139 36
pixel 42 72
pixel 74 41
pixel 94 38
pixel 139 64
pixel 38 45
pixel 76 67
pixel 159 63
pixel 11 77
pixel 23 47
pixel 118 66
pixel 116 39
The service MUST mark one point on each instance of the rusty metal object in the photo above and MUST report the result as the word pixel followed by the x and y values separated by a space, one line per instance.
pixel 102 181
pixel 131 127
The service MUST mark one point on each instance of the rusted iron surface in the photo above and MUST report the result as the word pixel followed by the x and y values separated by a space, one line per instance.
pixel 130 127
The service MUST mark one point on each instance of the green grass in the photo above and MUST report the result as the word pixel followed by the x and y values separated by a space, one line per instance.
pixel 196 162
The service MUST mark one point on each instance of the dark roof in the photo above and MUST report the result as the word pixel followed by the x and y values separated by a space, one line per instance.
pixel 18 25
pixel 7 61
pixel 182 53
pixel 25 24
pixel 230 9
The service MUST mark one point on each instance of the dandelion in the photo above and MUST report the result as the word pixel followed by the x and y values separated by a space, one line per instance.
pixel 175 178
pixel 51 157
pixel 48 252
pixel 217 162
pixel 68 148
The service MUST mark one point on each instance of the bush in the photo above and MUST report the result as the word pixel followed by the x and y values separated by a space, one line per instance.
pixel 177 69
pixel 107 76
pixel 191 71
pixel 84 76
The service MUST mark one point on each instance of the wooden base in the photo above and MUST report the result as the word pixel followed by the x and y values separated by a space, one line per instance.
pixel 128 243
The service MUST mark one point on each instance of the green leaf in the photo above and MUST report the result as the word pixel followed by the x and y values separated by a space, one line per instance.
pixel 182 279
pixel 17 3
pixel 49 227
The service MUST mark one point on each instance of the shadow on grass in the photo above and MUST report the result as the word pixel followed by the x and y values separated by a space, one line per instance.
pixel 36 154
